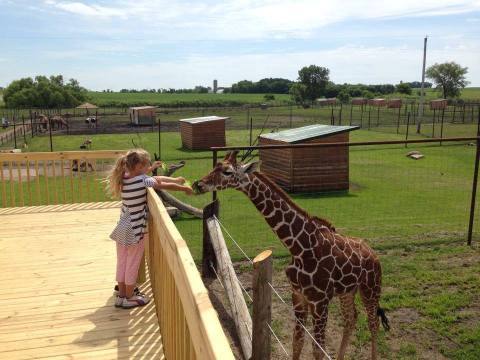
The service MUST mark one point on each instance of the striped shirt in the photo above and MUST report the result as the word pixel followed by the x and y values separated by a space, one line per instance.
pixel 134 200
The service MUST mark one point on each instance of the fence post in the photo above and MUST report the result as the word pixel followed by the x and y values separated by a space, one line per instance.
pixel 474 185
pixel 408 125
pixel 262 305
pixel 50 133
pixel 14 133
pixel 208 254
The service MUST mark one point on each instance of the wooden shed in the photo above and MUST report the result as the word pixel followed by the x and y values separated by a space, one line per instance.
pixel 308 169
pixel 328 101
pixel 394 103
pixel 359 101
pixel 438 104
pixel 142 115
pixel 201 133
pixel 377 102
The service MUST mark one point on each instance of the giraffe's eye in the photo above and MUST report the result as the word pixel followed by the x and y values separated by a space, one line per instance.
pixel 227 172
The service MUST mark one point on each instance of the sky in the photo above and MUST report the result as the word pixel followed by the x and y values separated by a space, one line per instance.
pixel 140 44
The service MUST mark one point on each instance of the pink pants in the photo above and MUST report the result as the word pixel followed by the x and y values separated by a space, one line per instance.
pixel 128 261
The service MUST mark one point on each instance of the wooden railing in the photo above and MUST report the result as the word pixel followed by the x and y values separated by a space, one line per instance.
pixel 46 178
pixel 189 324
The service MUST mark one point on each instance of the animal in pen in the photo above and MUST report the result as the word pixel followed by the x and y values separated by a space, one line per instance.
pixel 87 144
pixel 82 166
pixel 324 263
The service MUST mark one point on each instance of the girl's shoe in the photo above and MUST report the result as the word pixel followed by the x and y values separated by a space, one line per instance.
pixel 136 291
pixel 118 301
pixel 134 301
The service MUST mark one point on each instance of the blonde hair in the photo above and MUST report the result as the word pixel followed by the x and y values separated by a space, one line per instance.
pixel 126 162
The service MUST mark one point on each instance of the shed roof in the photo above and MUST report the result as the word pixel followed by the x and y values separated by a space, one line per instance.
pixel 142 107
pixel 202 119
pixel 308 133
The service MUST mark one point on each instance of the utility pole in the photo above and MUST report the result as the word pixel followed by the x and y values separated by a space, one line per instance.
pixel 420 109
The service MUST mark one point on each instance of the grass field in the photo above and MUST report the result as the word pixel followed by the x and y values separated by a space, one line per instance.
pixel 413 213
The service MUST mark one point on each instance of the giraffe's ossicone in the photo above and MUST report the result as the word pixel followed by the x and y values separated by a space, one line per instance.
pixel 324 263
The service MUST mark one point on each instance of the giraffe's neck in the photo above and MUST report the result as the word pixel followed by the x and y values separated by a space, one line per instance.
pixel 292 224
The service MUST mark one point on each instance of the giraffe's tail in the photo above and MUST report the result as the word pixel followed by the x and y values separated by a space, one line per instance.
pixel 383 317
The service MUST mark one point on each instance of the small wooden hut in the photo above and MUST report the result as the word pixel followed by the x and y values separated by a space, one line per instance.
pixel 308 169
pixel 328 101
pixel 377 102
pixel 202 133
pixel 438 104
pixel 142 115
pixel 359 101
pixel 394 103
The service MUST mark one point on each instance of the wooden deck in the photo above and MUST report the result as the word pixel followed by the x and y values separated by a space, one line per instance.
pixel 57 274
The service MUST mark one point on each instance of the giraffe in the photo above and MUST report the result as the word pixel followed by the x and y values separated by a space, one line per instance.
pixel 324 263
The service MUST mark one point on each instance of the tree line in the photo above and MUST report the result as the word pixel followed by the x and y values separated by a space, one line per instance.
pixel 313 82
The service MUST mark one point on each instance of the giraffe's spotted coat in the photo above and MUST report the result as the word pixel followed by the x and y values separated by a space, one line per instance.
pixel 324 263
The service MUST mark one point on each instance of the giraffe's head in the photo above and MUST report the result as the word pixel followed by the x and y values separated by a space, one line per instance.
pixel 225 174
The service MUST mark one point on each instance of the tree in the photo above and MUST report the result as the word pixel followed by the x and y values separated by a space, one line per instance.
pixel 343 96
pixel 298 92
pixel 449 77
pixel 315 79
pixel 44 92
pixel 404 88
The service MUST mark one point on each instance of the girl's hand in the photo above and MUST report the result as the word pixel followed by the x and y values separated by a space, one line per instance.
pixel 181 180
pixel 188 190
pixel 156 165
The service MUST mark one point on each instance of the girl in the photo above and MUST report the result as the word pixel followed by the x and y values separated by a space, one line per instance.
pixel 129 181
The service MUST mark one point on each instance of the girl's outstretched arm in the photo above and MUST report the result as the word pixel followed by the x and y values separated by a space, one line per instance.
pixel 174 187
pixel 167 179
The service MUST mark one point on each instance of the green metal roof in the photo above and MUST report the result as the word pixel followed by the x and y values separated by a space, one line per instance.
pixel 308 133
pixel 198 120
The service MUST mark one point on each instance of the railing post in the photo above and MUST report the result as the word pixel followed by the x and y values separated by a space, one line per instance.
pixel 209 259
pixel 262 305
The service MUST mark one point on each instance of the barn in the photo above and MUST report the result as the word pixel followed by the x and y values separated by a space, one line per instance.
pixel 202 133
pixel 142 115
pixel 308 169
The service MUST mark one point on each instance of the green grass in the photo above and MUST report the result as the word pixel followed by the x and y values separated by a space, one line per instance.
pixel 180 100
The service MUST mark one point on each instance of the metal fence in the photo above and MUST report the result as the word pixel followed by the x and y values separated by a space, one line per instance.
pixel 404 120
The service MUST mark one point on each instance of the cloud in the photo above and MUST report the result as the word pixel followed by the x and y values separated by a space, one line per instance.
pixel 251 19
pixel 351 64
pixel 94 10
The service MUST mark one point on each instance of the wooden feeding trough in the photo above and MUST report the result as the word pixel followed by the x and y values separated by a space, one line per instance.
pixel 142 115
pixel 439 104
pixel 394 103
pixel 377 102
pixel 308 169
pixel 202 133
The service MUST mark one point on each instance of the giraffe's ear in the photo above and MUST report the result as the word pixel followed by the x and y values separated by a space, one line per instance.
pixel 231 157
pixel 250 167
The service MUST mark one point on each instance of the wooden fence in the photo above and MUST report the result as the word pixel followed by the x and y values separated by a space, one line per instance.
pixel 46 178
pixel 189 324
pixel 9 135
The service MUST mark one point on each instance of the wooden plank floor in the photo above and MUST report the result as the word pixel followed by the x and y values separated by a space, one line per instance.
pixel 57 269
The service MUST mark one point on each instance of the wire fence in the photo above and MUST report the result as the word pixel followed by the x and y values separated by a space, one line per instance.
pixel 448 122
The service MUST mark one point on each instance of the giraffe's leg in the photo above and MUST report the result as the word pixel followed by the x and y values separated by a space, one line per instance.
pixel 320 317
pixel 300 309
pixel 349 313
pixel 370 300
